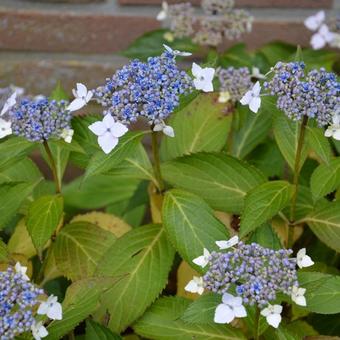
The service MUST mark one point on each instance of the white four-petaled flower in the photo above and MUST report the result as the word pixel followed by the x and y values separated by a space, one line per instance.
pixel 176 52
pixel 162 15
pixel 227 244
pixel 202 260
pixel 298 296
pixel 252 98
pixel 52 308
pixel 10 102
pixel 108 132
pixel 315 21
pixel 334 129
pixel 203 77
pixel 323 37
pixel 67 135
pixel 195 285
pixel 82 97
pixel 230 308
pixel 5 128
pixel 166 129
pixel 38 330
pixel 22 271
pixel 272 313
pixel 302 259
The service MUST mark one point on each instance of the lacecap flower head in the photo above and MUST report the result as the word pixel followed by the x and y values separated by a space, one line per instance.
pixel 38 120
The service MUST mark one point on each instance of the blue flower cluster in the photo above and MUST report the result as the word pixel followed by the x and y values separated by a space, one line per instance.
pixel 149 89
pixel 255 273
pixel 235 81
pixel 18 299
pixel 41 119
pixel 315 94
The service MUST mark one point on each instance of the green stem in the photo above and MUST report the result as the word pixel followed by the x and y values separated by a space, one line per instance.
pixel 257 324
pixel 156 161
pixel 53 167
pixel 296 181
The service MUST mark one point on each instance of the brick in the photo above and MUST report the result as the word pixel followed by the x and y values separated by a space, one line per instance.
pixel 247 3
pixel 60 31
pixel 66 1
pixel 47 31
pixel 39 74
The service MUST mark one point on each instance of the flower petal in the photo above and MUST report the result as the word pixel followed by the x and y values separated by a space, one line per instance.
pixel 274 320
pixel 300 300
pixel 107 142
pixel 43 308
pixel 245 100
pixel 255 104
pixel 98 128
pixel 76 104
pixel 240 312
pixel 200 261
pixel 109 121
pixel 191 287
pixel 118 130
pixel 55 312
pixel 223 314
pixel 196 70
pixel 81 90
pixel 168 131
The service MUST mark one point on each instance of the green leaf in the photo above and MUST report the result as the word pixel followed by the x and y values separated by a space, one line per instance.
pixel 3 251
pixel 236 56
pixel 23 170
pixel 60 157
pixel 278 51
pixel 59 93
pixel 254 130
pixel 98 191
pixel 202 310
pixel 221 180
pixel 264 202
pixel 79 247
pixel 145 257
pixel 13 149
pixel 325 178
pixel 186 217
pixel 200 126
pixel 322 292
pixel 11 198
pixel 266 237
pixel 286 134
pixel 162 321
pixel 280 333
pixel 43 218
pixel 95 331
pixel 301 328
pixel 319 144
pixel 82 299
pixel 325 224
pixel 101 163
pixel 151 44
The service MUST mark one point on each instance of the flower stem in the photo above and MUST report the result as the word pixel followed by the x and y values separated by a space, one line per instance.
pixel 296 181
pixel 156 161
pixel 257 324
pixel 53 167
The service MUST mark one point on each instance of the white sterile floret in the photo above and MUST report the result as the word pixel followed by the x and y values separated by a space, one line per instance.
pixel 334 129
pixel 52 308
pixel 298 296
pixel 230 308
pixel 10 102
pixel 203 77
pixel 176 52
pixel 323 37
pixel 82 97
pixel 302 259
pixel 272 313
pixel 195 285
pixel 22 271
pixel 67 135
pixel 108 132
pixel 228 243
pixel 38 330
pixel 202 260
pixel 252 98
pixel 5 128
pixel 166 129
pixel 162 15
pixel 315 21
